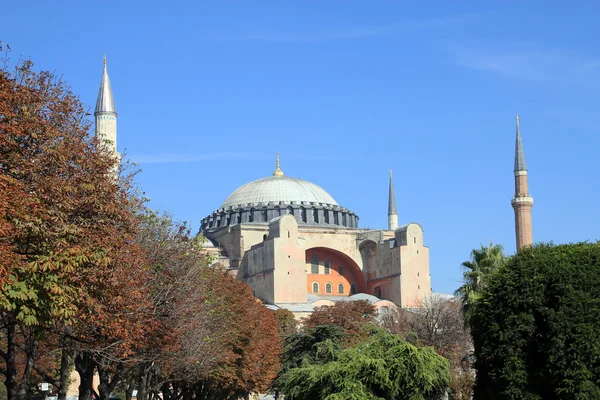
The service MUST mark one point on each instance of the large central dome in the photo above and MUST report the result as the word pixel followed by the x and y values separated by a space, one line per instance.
pixel 263 200
pixel 278 189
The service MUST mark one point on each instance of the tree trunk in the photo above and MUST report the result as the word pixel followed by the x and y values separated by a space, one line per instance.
pixel 65 368
pixel 85 366
pixel 107 385
pixel 11 365
pixel 142 383
pixel 31 347
pixel 129 390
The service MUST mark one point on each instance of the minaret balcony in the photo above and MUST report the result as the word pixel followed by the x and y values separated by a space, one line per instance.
pixel 522 199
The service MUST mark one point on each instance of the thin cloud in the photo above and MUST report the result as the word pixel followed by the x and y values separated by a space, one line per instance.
pixel 169 158
pixel 532 63
pixel 357 32
pixel 175 158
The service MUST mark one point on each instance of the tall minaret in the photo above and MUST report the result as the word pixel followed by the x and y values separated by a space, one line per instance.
pixel 522 202
pixel 106 113
pixel 392 211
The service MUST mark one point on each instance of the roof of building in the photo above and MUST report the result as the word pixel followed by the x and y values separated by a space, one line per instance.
pixel 362 296
pixel 278 189
pixel 519 154
pixel 392 210
pixel 106 102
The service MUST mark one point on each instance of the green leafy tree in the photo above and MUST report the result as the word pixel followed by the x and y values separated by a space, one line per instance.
pixel 536 330
pixel 384 367
pixel 483 263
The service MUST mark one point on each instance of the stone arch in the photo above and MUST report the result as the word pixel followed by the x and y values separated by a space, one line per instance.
pixel 315 287
pixel 351 275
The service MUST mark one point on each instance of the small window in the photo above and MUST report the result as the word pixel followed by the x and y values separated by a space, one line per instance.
pixel 415 240
pixel 314 264
pixel 328 288
pixel 353 288
pixel 326 265
pixel 315 287
pixel 341 288
pixel 341 270
pixel 419 287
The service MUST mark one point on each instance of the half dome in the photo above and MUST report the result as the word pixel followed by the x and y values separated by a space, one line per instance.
pixel 278 189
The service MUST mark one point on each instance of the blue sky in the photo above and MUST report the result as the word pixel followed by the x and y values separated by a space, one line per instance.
pixel 207 92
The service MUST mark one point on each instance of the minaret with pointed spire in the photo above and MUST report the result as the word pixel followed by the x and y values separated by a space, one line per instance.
pixel 522 201
pixel 392 210
pixel 106 112
pixel 278 171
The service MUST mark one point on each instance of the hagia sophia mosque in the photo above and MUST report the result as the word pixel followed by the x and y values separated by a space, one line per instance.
pixel 297 248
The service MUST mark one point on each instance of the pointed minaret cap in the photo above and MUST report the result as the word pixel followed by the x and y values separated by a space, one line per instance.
pixel 278 171
pixel 105 103
pixel 519 155
pixel 392 200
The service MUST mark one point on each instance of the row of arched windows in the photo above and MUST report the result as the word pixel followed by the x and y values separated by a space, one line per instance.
pixel 328 288
pixel 314 266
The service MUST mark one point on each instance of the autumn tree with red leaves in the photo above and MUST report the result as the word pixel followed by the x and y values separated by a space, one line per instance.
pixel 351 316
pixel 73 261
pixel 107 285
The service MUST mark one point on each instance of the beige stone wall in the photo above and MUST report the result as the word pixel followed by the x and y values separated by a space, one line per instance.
pixel 415 280
pixel 274 260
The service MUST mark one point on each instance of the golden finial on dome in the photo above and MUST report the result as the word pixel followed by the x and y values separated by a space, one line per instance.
pixel 278 171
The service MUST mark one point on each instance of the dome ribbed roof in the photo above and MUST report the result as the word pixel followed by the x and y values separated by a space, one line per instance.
pixel 278 189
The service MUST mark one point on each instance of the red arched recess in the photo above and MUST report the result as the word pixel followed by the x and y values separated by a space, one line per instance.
pixel 350 272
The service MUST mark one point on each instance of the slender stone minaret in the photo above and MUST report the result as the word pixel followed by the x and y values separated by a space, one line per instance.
pixel 106 113
pixel 522 201
pixel 392 211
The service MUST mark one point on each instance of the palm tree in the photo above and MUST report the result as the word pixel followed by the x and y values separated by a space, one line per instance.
pixel 484 262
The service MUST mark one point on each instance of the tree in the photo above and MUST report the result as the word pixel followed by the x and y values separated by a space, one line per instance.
pixel 71 257
pixel 384 367
pixel 484 263
pixel 536 329
pixel 351 316
pixel 286 323
pixel 439 322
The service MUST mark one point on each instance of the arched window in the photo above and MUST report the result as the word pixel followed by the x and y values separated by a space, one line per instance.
pixel 315 214
pixel 290 210
pixel 328 288
pixel 341 270
pixel 326 216
pixel 314 264
pixel 341 288
pixel 315 287
pixel 326 265
pixel 263 215
pixel 251 217
pixel 303 214
pixel 353 288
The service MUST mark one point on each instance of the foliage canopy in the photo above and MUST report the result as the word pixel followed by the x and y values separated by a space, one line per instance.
pixel 536 329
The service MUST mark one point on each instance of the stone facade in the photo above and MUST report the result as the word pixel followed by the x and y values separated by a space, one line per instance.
pixel 286 262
